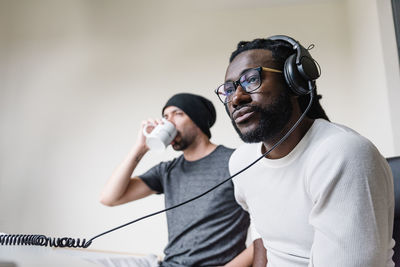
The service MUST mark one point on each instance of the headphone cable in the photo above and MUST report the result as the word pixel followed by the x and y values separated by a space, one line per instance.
pixel 221 183
pixel 42 240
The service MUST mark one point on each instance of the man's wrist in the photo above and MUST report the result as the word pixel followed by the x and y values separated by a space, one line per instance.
pixel 138 151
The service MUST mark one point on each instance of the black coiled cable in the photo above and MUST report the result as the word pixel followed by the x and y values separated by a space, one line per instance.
pixel 42 240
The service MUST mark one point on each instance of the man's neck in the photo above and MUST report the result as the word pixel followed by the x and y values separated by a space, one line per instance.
pixel 291 142
pixel 198 150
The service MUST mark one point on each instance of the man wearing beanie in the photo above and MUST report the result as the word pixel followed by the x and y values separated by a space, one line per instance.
pixel 210 231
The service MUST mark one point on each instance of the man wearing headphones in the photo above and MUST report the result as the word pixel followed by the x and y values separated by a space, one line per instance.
pixel 210 231
pixel 324 196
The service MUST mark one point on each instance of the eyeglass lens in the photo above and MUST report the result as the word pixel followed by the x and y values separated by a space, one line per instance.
pixel 249 81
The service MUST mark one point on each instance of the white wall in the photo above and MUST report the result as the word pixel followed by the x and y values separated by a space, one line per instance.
pixel 77 77
pixel 391 67
pixel 371 95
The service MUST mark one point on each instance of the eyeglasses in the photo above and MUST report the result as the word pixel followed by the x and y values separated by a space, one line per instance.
pixel 250 81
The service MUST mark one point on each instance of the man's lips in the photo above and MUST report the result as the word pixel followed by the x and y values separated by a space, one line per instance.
pixel 176 139
pixel 242 114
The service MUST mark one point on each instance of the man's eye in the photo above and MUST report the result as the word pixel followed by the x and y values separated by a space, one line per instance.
pixel 229 90
pixel 252 79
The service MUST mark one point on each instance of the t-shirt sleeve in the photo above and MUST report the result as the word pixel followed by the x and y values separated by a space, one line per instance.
pixel 153 177
pixel 350 186
pixel 253 231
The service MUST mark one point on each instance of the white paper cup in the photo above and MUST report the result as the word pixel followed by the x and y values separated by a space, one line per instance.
pixel 161 136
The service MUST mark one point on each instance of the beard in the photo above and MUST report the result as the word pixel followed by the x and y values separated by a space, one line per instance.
pixel 184 142
pixel 181 145
pixel 273 120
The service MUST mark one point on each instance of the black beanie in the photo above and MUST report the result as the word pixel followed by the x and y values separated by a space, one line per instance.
pixel 199 109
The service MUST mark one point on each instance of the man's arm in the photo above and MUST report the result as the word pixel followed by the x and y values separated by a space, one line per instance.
pixel 352 194
pixel 121 188
pixel 244 259
pixel 260 254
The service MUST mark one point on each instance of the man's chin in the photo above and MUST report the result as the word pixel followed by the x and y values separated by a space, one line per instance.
pixel 244 129
pixel 249 137
pixel 255 133
pixel 178 146
pixel 246 135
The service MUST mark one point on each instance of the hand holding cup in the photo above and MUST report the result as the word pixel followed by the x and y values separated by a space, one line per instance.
pixel 161 135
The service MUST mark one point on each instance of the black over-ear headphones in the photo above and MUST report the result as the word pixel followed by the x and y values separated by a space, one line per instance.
pixel 300 69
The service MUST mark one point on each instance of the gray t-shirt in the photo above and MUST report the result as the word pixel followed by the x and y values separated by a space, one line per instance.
pixel 209 231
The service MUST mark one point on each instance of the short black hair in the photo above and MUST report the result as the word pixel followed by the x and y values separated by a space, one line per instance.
pixel 281 50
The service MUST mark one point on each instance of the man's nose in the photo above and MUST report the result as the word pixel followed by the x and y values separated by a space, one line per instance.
pixel 240 97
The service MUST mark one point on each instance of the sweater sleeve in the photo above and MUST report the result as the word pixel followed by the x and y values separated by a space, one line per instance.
pixel 351 188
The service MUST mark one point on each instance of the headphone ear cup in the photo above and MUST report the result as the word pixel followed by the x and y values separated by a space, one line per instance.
pixel 308 68
pixel 297 84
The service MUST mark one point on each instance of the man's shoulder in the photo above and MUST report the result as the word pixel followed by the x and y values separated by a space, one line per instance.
pixel 220 152
pixel 165 166
pixel 338 138
pixel 338 145
pixel 326 129
pixel 224 149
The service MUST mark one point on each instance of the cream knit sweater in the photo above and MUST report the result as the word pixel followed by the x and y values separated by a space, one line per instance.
pixel 329 203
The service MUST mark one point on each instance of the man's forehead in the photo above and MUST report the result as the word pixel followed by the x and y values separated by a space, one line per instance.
pixel 246 60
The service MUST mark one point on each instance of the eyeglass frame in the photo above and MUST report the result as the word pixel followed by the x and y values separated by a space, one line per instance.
pixel 237 82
